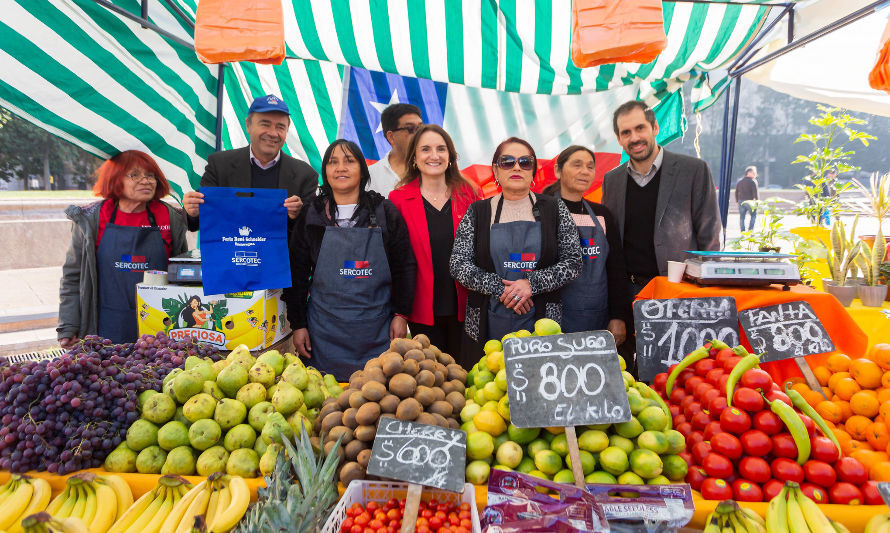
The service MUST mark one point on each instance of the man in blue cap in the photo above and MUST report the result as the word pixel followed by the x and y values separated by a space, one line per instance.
pixel 261 164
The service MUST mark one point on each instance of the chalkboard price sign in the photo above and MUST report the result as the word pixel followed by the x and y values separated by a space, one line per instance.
pixel 419 453
pixel 669 329
pixel 565 380
pixel 784 331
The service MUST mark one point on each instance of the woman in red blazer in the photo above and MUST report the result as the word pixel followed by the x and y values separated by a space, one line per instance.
pixel 433 197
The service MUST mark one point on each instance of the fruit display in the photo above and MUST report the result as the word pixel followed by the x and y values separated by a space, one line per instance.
pixel 878 523
pixel 46 523
pixel 20 497
pixel 223 415
pixel 641 450
pixel 730 517
pixel 746 437
pixel 96 501
pixel 432 516
pixel 220 501
pixel 793 510
pixel 412 381
pixel 69 413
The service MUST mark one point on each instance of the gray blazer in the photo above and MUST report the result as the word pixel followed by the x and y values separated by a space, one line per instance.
pixel 686 215
pixel 231 168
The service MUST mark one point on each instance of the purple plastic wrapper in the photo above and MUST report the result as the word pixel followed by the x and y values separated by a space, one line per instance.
pixel 650 509
pixel 515 505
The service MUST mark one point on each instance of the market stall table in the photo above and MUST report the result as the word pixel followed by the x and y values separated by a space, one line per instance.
pixel 874 321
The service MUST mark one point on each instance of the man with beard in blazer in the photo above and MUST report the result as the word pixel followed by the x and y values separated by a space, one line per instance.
pixel 260 165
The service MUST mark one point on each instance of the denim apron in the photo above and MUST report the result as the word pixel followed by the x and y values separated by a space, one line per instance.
pixel 585 301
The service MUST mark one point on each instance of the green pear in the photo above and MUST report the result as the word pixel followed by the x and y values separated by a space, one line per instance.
pixel 199 406
pixel 141 435
pixel 243 462
pixel 204 433
pixel 240 436
pixel 287 399
pixel 145 395
pixel 313 395
pixel 122 460
pixel 276 428
pixel 270 457
pixel 211 388
pixel 150 460
pixel 192 361
pixel 259 414
pixel 229 413
pixel 172 435
pixel 289 359
pixel 220 365
pixel 187 384
pixel 180 461
pixel 212 460
pixel 205 368
pixel 296 420
pixel 274 359
pixel 232 378
pixel 251 394
pixel 262 373
pixel 259 446
pixel 169 377
pixel 271 391
pixel 296 375
pixel 159 409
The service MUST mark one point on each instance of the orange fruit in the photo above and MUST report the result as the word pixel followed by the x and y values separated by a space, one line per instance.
pixel 822 374
pixel 879 471
pixel 864 404
pixel 885 380
pixel 856 445
pixel 830 411
pixel 867 373
pixel 813 398
pixel 830 424
pixel 857 426
pixel 880 354
pixel 833 380
pixel 846 388
pixel 866 457
pixel 883 455
pixel 826 392
pixel 883 394
pixel 801 387
pixel 878 437
pixel 794 380
pixel 838 363
pixel 884 410
pixel 871 392
pixel 846 411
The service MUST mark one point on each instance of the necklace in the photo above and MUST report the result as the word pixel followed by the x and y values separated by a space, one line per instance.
pixel 438 197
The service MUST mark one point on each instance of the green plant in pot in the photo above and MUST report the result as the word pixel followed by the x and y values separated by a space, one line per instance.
pixel 870 257
pixel 841 259
pixel 764 239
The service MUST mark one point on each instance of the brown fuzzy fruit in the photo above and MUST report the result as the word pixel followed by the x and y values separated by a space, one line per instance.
pixel 428 364
pixel 402 385
pixel 440 377
pixel 409 409
pixel 352 471
pixel 447 387
pixel 372 363
pixel 411 367
pixel 375 374
pixel 349 418
pixel 424 395
pixel 426 418
pixel 430 354
pixel 452 423
pixel 343 399
pixel 422 339
pixel 445 359
pixel 327 409
pixel 368 414
pixel 458 385
pixel 455 371
pixel 392 364
pixel 456 400
pixel 353 448
pixel 401 345
pixel 416 355
pixel 356 399
pixel 337 431
pixel 365 433
pixel 439 394
pixel 441 421
pixel 364 457
pixel 389 403
pixel 426 378
pixel 441 408
pixel 330 421
pixel 373 391
pixel 328 446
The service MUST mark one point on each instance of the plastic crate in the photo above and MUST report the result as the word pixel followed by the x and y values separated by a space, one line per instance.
pixel 363 491
pixel 54 353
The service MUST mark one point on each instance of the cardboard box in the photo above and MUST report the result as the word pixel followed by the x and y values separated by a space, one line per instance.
pixel 256 319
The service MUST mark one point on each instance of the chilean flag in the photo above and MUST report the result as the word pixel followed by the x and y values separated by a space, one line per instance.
pixel 132 259
pixel 356 265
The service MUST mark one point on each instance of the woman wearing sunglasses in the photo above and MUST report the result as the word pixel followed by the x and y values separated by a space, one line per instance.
pixel 514 251
pixel 598 299
pixel 433 197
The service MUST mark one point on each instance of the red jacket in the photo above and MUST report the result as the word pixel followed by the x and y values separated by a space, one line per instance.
pixel 409 201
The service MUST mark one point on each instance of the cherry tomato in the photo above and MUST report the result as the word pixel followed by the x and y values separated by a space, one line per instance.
pixel 356 529
pixel 687 457
pixel 675 412
pixel 727 445
pixel 372 506
pixel 685 428
pixel 747 399
pixel 394 514
pixel 774 395
pixel 715 489
pixel 755 468
pixel 712 429
pixel 850 470
pixel 809 424
pixel 784 446
pixel 713 377
pixel 717 465
pixel 700 450
pixel 363 519
pixel 692 383
pixel 709 396
pixel 735 421
pixel 768 422
pixel 870 494
pixel 822 449
pixel 785 469
pixel 689 399
pixel 435 522
pixel 716 407
pixel 695 477
pixel 723 354
pixel 347 524
pixel 694 438
pixel 756 443
pixel 704 366
pixel 820 473
pixel 724 379
pixel 375 524
pixel 845 494
pixel 660 381
pixel 772 488
pixel 757 379
pixel 815 492
pixel 691 409
pixel 700 420
pixel 746 491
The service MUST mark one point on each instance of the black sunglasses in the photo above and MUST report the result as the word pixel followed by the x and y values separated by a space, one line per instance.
pixel 410 128
pixel 506 162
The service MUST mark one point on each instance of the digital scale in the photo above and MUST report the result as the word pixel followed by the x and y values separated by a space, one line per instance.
pixel 185 269
pixel 741 268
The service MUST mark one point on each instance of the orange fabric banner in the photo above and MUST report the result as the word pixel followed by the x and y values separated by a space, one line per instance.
pixel 606 31
pixel 846 334
pixel 240 30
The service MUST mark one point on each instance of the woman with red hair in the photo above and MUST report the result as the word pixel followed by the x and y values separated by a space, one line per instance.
pixel 113 241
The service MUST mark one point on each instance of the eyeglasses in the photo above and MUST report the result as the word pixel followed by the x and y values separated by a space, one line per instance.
pixel 410 128
pixel 136 177
pixel 507 162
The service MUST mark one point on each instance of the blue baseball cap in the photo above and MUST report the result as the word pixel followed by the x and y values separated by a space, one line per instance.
pixel 268 103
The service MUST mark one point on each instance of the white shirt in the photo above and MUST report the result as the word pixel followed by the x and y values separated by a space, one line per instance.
pixel 268 165
pixel 643 179
pixel 383 177
pixel 344 215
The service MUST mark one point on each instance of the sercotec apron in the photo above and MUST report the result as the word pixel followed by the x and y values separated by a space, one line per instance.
pixel 124 254
pixel 350 306
pixel 515 249
pixel 585 301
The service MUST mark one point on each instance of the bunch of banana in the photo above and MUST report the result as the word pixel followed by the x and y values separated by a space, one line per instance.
pixel 793 511
pixel 19 497
pixel 97 501
pixel 148 513
pixel 879 523
pixel 45 523
pixel 221 499
pixel 728 517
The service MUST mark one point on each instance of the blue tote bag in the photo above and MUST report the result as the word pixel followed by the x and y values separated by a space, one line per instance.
pixel 244 240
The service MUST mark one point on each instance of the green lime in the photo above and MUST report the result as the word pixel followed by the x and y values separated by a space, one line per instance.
pixel 537 445
pixel 588 463
pixel 470 392
pixel 489 406
pixel 492 345
pixel 526 465
pixel 482 377
pixel 491 391
pixel 502 467
pixel 653 419
pixel 675 440
pixel 501 439
pixel 630 429
pixel 613 460
pixel 504 407
pixel 500 379
pixel 658 480
pixel 564 476
pixel 479 445
pixel 548 436
pixel 469 411
pixel 653 440
pixel 600 477
pixel 523 333
pixel 477 472
pixel 522 435
pixel 593 440
pixel 636 401
pixel 548 462
pixel 547 326
pixel 646 463
pixel 675 467
pixel 468 427
pixel 560 444
pixel 621 442
pixel 479 397
pixel 629 478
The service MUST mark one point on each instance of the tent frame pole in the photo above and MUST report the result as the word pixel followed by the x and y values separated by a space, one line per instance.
pixel 145 23
pixel 180 13
pixel 220 92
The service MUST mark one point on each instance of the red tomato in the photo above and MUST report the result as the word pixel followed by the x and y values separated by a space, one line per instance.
pixel 692 383
pixel 756 443
pixel 356 529
pixel 815 492
pixel 372 506
pixel 695 477
pixel 375 524
pixel 724 354
pixel 810 425
pixel 717 465
pixel 700 420
pixel 746 491
pixel 735 421
pixel 675 412
pixel 768 422
pixel 686 456
pixel 684 376
pixel 822 449
pixel 363 519
pixel 704 366
pixel 851 471
pixel 394 514
pixel 774 395
pixel 724 379
pixel 686 401
pixel 700 451
pixel 435 522
pixel 729 363
pixel 347 524
pixel 784 446
pixel 715 489
pixel 727 445
pixel 685 428
pixel 713 377
pixel 659 382
pixel 845 494
pixel 757 379
pixel 677 395
pixel 747 399
pixel 691 409
pixel 870 494
pixel 772 488
pixel 820 473
pixel 755 468
pixel 716 407
pixel 694 438
pixel 709 396
pixel 712 429
pixel 787 470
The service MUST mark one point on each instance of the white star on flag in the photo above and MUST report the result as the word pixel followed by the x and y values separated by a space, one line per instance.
pixel 380 106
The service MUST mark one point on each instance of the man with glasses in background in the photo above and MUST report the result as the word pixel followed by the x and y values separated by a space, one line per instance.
pixel 399 122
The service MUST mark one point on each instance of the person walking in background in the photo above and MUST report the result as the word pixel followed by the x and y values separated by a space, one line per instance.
pixel 399 123
pixel 746 191
pixel 433 197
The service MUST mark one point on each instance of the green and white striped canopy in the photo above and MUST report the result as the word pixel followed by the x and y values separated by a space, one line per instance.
pixel 107 84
